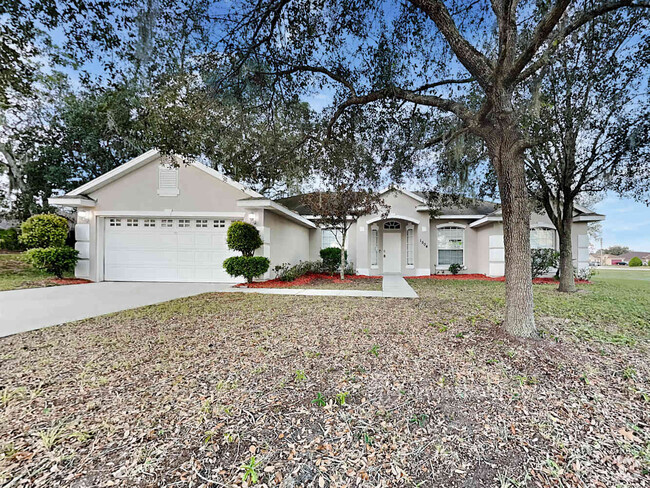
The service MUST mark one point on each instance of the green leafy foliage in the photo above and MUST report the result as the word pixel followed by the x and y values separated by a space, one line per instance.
pixel 247 266
pixel 286 272
pixel 9 239
pixel 243 237
pixel 44 230
pixel 455 268
pixel 54 260
pixel 331 257
pixel 635 261
pixel 542 260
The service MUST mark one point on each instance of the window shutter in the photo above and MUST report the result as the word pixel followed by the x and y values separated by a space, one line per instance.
pixel 167 181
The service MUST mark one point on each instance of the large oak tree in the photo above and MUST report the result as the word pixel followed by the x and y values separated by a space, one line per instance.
pixel 469 62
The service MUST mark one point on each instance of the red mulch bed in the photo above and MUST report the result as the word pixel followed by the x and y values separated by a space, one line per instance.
pixel 482 277
pixel 305 280
pixel 70 281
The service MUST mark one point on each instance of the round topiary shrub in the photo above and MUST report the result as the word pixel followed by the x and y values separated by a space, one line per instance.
pixel 44 230
pixel 331 257
pixel 54 260
pixel 635 261
pixel 247 266
pixel 454 268
pixel 243 237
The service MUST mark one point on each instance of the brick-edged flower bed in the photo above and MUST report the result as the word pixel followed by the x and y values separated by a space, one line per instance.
pixel 306 280
pixel 482 277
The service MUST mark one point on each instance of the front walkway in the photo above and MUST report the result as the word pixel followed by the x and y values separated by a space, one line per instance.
pixel 392 287
pixel 395 286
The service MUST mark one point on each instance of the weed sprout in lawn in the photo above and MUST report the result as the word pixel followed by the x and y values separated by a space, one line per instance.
pixel 320 400
pixel 250 470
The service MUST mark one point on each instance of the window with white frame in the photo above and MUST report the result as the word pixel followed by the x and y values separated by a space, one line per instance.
pixel 542 238
pixel 202 223
pixel 114 222
pixel 392 225
pixel 183 222
pixel 149 222
pixel 330 238
pixel 374 247
pixel 167 181
pixel 131 222
pixel 220 224
pixel 451 245
pixel 410 248
pixel 166 223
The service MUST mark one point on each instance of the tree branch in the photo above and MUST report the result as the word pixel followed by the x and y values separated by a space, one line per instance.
pixel 474 61
pixel 401 94
pixel 554 41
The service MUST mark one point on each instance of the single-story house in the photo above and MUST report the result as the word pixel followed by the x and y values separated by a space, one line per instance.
pixel 149 221
pixel 613 259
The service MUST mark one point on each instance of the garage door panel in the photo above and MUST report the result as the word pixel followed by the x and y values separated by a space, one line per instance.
pixel 156 253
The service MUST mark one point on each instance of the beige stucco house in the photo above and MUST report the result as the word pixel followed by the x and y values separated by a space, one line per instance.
pixel 149 221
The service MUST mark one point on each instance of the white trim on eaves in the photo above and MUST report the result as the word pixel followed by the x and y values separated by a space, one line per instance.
pixel 116 173
pixel 269 204
pixel 227 180
pixel 414 196
pixel 144 159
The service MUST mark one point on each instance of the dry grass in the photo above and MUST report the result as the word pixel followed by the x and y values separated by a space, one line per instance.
pixel 227 387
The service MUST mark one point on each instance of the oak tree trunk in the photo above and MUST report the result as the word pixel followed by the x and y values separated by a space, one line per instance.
pixel 567 281
pixel 507 158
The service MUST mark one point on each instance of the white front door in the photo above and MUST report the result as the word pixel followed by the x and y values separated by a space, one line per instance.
pixel 165 249
pixel 392 252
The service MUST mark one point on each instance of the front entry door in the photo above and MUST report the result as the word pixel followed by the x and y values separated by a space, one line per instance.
pixel 392 252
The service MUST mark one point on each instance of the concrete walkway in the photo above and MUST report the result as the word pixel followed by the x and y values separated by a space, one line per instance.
pixel 392 287
pixel 395 286
pixel 23 310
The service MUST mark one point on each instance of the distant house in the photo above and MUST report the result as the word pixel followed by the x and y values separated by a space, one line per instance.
pixel 613 259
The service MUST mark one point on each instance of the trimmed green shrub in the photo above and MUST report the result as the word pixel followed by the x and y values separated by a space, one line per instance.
pixel 635 261
pixel 286 272
pixel 542 260
pixel 244 238
pixel 247 266
pixel 44 230
pixel 9 239
pixel 454 268
pixel 331 257
pixel 53 260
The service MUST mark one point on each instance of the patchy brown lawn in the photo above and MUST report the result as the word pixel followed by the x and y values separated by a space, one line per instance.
pixel 195 390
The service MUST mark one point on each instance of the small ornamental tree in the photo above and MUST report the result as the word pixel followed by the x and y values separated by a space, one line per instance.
pixel 342 206
pixel 44 230
pixel 635 261
pixel 245 238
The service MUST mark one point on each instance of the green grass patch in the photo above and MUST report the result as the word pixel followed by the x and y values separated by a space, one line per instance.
pixel 16 272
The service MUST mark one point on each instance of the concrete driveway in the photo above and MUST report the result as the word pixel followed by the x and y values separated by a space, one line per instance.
pixel 23 310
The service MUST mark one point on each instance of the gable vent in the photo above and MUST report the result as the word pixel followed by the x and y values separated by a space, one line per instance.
pixel 167 181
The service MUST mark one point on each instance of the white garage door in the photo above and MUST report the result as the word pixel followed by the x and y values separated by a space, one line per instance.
pixel 157 249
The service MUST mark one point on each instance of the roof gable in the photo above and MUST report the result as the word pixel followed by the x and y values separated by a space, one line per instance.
pixel 147 158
